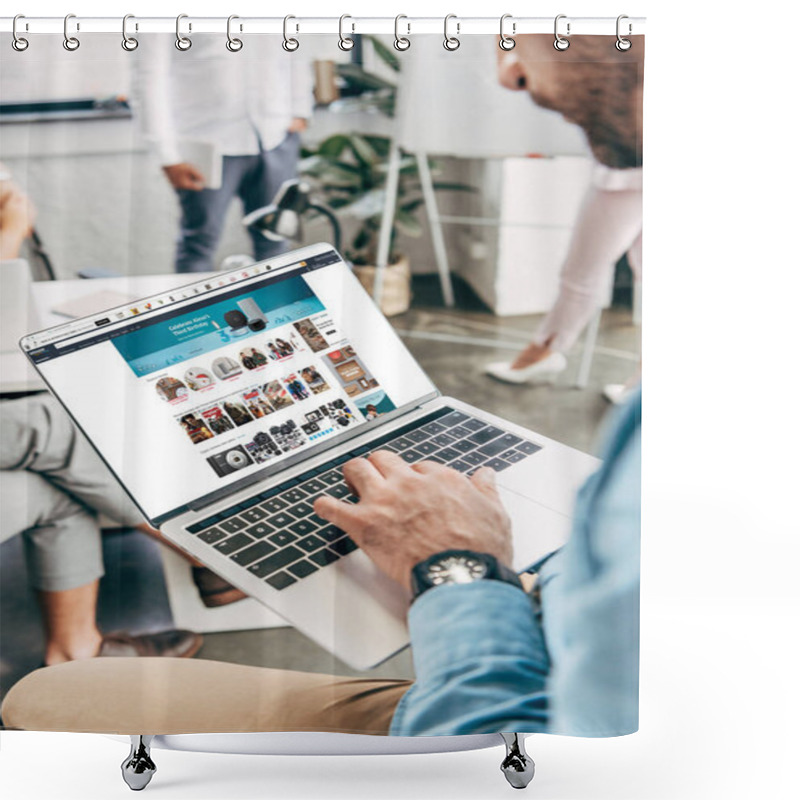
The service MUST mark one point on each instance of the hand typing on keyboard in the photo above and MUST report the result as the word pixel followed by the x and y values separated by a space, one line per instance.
pixel 408 512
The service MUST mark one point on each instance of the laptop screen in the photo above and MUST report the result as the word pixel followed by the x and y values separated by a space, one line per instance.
pixel 192 391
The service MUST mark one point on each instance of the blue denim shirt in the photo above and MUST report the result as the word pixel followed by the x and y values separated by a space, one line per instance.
pixel 486 661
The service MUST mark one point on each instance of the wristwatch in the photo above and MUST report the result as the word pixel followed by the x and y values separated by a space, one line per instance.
pixel 458 566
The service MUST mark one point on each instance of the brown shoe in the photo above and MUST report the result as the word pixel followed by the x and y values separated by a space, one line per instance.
pixel 215 591
pixel 171 644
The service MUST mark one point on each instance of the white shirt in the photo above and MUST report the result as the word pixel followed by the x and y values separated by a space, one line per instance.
pixel 208 94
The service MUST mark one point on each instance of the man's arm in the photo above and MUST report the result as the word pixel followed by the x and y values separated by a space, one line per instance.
pixel 479 651
pixel 480 662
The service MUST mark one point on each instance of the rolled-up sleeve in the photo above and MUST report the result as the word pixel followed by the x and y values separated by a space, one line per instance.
pixel 480 661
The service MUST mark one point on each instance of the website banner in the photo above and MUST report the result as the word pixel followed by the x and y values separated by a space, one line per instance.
pixel 181 338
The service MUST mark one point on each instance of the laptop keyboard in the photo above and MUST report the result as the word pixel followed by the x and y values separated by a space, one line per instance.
pixel 277 536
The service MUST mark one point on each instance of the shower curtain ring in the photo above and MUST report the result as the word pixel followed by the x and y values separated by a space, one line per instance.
pixel 560 42
pixel 401 43
pixel 233 44
pixel 623 44
pixel 129 43
pixel 507 42
pixel 451 43
pixel 182 42
pixel 290 44
pixel 71 43
pixel 345 42
pixel 19 43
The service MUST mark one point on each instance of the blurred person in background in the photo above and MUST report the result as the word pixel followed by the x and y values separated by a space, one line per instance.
pixel 52 488
pixel 202 105
pixel 603 97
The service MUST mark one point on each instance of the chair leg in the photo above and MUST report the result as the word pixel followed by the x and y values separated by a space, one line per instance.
pixel 517 766
pixel 138 768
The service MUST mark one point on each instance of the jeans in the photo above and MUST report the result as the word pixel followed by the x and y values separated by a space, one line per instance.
pixel 255 179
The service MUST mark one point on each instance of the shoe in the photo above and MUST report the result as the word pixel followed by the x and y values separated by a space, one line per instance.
pixel 215 591
pixel 543 370
pixel 170 644
pixel 616 393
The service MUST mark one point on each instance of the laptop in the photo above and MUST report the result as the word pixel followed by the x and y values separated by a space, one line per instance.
pixel 227 406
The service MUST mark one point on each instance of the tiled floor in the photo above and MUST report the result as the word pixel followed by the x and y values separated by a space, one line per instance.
pixel 451 345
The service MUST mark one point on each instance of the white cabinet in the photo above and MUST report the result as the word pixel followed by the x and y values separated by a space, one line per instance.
pixel 529 206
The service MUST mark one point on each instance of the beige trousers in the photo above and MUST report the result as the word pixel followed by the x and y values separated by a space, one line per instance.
pixel 176 695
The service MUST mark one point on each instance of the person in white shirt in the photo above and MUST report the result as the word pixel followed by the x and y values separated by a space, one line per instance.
pixel 206 104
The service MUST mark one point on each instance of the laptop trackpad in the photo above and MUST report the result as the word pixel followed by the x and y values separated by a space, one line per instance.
pixel 536 530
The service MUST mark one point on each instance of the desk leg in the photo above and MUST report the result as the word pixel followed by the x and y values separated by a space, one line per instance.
pixel 387 221
pixel 587 356
pixel 439 249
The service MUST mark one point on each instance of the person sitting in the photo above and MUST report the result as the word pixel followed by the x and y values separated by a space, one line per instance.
pixel 52 488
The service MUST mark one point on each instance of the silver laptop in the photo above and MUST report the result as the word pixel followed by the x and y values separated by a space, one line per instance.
pixel 226 407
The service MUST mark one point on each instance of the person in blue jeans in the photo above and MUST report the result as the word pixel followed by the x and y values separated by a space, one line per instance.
pixel 245 111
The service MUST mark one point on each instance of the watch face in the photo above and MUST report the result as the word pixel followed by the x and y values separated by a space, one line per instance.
pixel 456 569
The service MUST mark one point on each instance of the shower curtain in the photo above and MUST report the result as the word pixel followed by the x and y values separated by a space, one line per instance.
pixel 489 197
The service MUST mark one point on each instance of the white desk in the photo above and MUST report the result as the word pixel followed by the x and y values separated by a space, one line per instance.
pixel 187 609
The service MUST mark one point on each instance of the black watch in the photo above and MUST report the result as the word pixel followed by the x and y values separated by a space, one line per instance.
pixel 458 566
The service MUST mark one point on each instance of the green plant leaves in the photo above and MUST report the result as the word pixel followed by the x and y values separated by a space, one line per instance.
pixel 385 54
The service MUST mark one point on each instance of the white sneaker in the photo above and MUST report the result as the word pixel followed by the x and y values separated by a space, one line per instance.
pixel 541 371
pixel 616 393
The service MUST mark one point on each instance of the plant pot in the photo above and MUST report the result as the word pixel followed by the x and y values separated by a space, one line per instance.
pixel 396 293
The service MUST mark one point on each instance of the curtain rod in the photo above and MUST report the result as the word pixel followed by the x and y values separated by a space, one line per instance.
pixel 333 26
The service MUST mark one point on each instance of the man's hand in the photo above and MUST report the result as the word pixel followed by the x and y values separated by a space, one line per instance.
pixel 298 125
pixel 185 176
pixel 408 513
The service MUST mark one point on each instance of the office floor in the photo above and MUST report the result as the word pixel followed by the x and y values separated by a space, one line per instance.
pixel 456 343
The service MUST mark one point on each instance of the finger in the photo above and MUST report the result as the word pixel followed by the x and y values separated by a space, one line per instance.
pixel 426 467
pixel 485 481
pixel 387 462
pixel 342 515
pixel 361 475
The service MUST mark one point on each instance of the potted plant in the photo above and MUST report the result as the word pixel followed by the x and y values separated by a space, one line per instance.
pixel 350 171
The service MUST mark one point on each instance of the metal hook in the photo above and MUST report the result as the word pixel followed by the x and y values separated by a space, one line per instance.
pixel 623 44
pixel 560 42
pixel 451 43
pixel 71 43
pixel 182 42
pixel 233 44
pixel 401 43
pixel 129 43
pixel 19 43
pixel 289 44
pixel 345 42
pixel 507 42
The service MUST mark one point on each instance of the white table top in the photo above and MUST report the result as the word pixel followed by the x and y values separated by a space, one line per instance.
pixel 16 374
